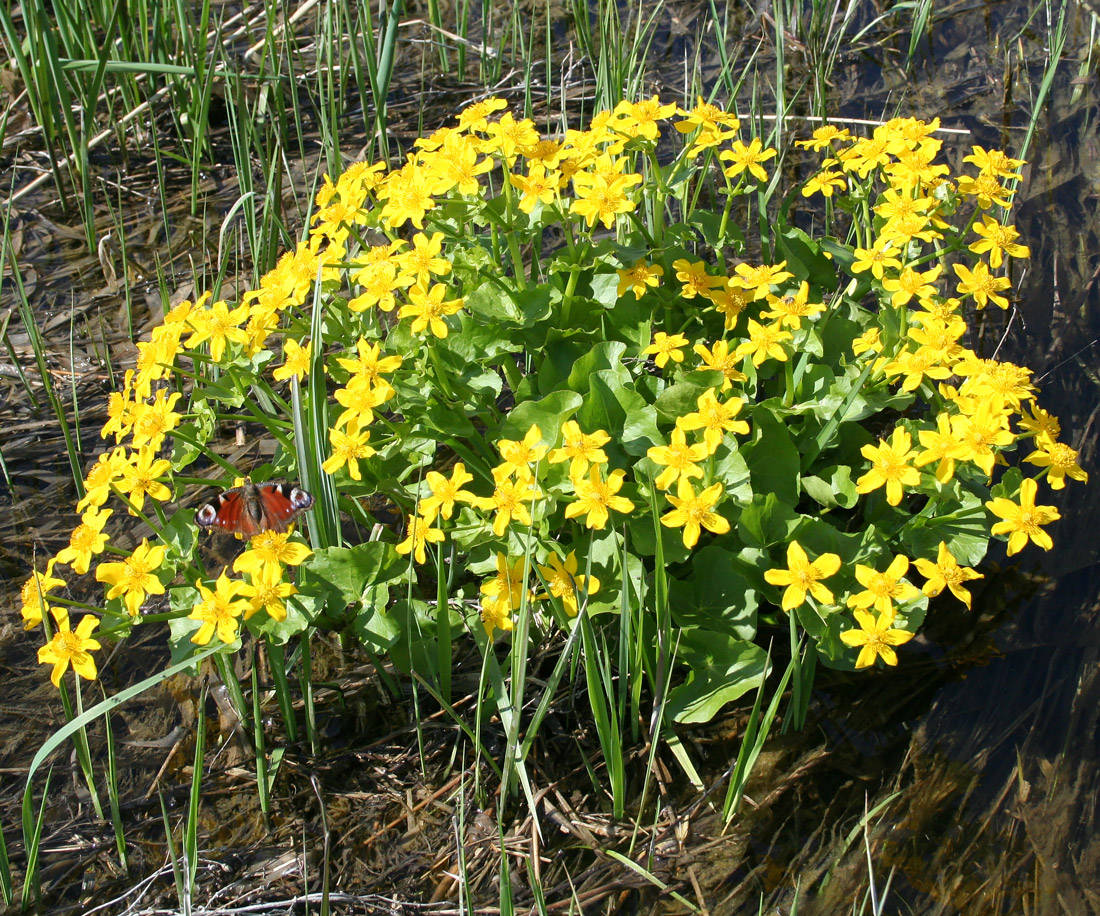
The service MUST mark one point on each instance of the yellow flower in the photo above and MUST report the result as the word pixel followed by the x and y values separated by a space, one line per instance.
pixel 741 157
pixel 665 348
pixel 34 593
pixel 537 186
pixel 942 445
pixel 596 496
pixel 911 284
pixel 579 448
pixel 876 258
pixel 1059 458
pixel 825 183
pixel 678 459
pixel 761 279
pixel 694 278
pixel 723 360
pixel 152 422
pixel 889 467
pixel 790 310
pixel 445 493
pixel 1021 522
pixel 271 550
pixel 639 277
pixel 978 433
pixel 420 533
pixel 220 326
pixel 139 478
pixel 994 162
pixel 360 401
pixel 882 589
pixel 86 541
pixel 132 579
pixel 348 448
pixel 825 136
pixel 693 513
pixel 420 263
pixel 982 285
pixel 370 365
pixel 501 594
pixel 802 576
pixel 946 573
pixel 408 196
pixel 765 340
pixel 602 199
pixel 71 648
pixel 266 591
pixel 998 240
pixel 474 117
pixel 296 361
pixel 508 136
pixel 876 639
pixel 868 340
pixel 715 418
pixel 218 611
pixel 510 499
pixel 563 582
pixel 522 456
pixel 429 309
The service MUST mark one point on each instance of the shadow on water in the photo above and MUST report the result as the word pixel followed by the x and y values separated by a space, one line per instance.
pixel 978 754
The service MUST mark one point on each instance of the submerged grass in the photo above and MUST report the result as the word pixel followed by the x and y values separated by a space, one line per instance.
pixel 616 41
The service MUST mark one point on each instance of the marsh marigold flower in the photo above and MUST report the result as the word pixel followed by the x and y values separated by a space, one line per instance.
pixel 694 512
pixel 882 589
pixel 563 582
pixel 1059 459
pixel 132 579
pixel 946 573
pixel 86 541
pixel 715 418
pixel 742 158
pixel 267 591
pixel 579 448
pixel 34 593
pixel 665 348
pixel 1022 521
pixel 803 577
pixel 218 611
pixel 69 647
pixel 639 278
pixel 445 492
pixel 889 467
pixel 876 639
pixel 596 496
pixel 428 309
pixel 678 459
pixel 419 534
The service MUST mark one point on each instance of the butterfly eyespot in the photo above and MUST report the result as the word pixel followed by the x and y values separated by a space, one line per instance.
pixel 252 508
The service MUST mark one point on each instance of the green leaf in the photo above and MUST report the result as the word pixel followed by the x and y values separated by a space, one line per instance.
pixel 376 630
pixel 722 669
pixel 766 522
pixel 773 460
pixel 350 570
pixel 548 414
pixel 682 397
pixel 605 355
pixel 805 259
pixel 716 597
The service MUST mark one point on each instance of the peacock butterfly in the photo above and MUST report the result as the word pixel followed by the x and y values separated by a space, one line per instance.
pixel 251 508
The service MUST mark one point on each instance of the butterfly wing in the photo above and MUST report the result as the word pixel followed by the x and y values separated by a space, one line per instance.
pixel 247 510
pixel 280 504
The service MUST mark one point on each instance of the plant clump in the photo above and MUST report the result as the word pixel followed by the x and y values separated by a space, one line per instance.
pixel 549 357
